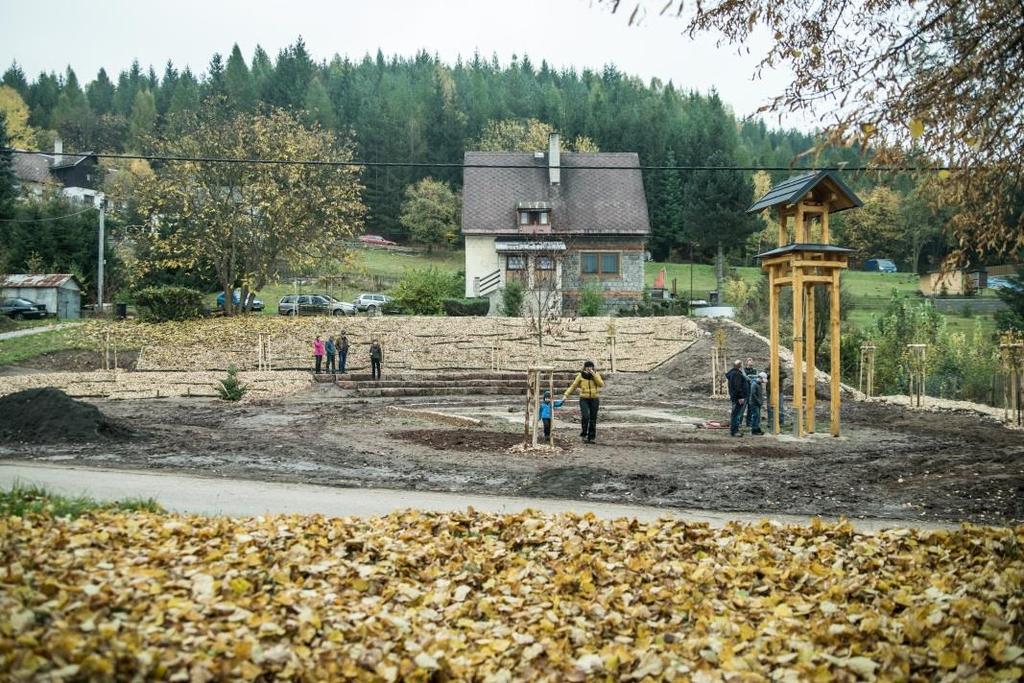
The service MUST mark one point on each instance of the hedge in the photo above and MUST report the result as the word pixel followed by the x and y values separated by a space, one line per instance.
pixel 160 304
pixel 463 307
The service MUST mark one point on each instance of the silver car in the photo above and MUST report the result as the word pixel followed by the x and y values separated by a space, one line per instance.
pixel 371 303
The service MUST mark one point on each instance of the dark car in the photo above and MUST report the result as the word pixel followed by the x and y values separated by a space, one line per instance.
pixel 880 265
pixel 22 309
pixel 312 304
pixel 236 298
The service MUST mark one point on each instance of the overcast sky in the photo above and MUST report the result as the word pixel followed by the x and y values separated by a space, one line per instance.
pixel 52 34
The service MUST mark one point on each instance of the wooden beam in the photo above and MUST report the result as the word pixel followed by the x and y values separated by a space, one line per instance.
pixel 835 368
pixel 783 281
pixel 774 386
pixel 810 398
pixel 800 234
pixel 783 231
pixel 798 352
pixel 821 279
pixel 826 238
pixel 821 264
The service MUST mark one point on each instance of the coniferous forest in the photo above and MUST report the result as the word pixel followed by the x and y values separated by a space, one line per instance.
pixel 420 109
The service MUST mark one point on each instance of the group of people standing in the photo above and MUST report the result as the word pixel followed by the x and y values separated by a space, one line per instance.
pixel 331 348
pixel 748 392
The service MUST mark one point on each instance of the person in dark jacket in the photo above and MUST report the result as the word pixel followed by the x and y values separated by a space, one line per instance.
pixel 376 359
pixel 329 354
pixel 750 372
pixel 342 346
pixel 737 394
pixel 757 395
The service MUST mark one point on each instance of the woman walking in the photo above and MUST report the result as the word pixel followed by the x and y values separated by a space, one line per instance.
pixel 589 383
pixel 318 352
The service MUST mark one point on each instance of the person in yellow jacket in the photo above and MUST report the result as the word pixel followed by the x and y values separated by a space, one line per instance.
pixel 589 383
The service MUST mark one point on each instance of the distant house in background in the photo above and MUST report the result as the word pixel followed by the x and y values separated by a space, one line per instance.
pixel 61 292
pixel 953 282
pixel 75 176
pixel 556 224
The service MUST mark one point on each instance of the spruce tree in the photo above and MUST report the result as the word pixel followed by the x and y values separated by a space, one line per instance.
pixel 14 77
pixel 317 106
pixel 142 123
pixel 8 190
pixel 72 116
pixel 241 91
pixel 101 93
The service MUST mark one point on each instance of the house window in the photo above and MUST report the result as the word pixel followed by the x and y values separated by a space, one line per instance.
pixel 533 218
pixel 545 263
pixel 599 263
pixel 515 262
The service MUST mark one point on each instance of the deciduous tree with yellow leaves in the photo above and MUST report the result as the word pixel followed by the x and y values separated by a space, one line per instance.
pixel 248 219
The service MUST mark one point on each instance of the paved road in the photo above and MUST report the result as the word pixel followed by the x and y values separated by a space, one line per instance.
pixel 239 497
pixel 35 330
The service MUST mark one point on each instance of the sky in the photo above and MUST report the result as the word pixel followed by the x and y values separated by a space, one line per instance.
pixel 111 33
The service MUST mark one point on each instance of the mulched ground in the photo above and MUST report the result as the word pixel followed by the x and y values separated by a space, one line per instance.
pixel 464 439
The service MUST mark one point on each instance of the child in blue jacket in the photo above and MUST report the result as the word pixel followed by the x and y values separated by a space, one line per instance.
pixel 545 413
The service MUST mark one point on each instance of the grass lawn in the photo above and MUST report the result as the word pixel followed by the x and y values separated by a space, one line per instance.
pixel 22 500
pixel 367 262
pixel 13 351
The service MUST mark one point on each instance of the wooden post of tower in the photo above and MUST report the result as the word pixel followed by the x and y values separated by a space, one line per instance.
pixel 775 386
pixel 810 396
pixel 835 371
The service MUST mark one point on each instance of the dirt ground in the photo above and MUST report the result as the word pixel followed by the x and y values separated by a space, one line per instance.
pixel 890 463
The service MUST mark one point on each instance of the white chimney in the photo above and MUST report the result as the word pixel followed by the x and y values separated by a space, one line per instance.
pixel 58 152
pixel 554 159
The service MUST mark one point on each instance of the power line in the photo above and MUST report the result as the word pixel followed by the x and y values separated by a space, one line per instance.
pixel 431 164
pixel 43 220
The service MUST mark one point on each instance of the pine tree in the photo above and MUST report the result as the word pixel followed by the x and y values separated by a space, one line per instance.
pixel 262 69
pixel 101 93
pixel 14 77
pixel 241 90
pixel 186 95
pixel 42 100
pixel 666 211
pixel 72 116
pixel 142 123
pixel 165 93
pixel 8 190
pixel 215 85
pixel 317 106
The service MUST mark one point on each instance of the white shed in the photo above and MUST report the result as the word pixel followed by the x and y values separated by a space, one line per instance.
pixel 60 292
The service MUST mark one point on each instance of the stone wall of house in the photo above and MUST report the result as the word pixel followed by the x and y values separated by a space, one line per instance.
pixel 624 290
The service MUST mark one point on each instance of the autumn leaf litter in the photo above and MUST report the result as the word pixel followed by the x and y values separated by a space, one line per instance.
pixel 424 596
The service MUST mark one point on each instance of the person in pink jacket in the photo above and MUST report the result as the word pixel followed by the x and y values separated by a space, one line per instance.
pixel 318 352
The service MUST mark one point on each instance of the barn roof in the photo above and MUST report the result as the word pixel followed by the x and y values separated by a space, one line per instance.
pixel 819 184
pixel 36 280
pixel 602 201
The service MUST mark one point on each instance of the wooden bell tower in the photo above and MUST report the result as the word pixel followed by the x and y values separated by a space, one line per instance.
pixel 805 259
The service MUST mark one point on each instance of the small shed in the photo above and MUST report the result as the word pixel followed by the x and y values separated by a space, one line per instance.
pixel 60 292
pixel 953 282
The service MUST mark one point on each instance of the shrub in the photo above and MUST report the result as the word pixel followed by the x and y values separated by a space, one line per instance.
pixel 423 291
pixel 738 291
pixel 160 304
pixel 591 301
pixel 231 388
pixel 512 297
pixel 464 307
pixel 648 308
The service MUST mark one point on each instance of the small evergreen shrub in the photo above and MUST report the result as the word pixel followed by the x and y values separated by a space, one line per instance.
pixel 231 388
pixel 466 307
pixel 591 301
pixel 512 297
pixel 161 304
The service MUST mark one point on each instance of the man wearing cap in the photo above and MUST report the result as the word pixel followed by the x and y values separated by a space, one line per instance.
pixel 737 394
pixel 589 383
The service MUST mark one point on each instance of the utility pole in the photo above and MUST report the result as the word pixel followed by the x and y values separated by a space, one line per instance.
pixel 101 202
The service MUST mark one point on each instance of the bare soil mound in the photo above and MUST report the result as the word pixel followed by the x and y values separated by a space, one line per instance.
pixel 48 415
pixel 464 440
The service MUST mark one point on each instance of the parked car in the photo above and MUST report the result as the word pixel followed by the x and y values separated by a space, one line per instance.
pixel 236 299
pixel 22 309
pixel 880 265
pixel 372 303
pixel 377 241
pixel 1004 283
pixel 312 304
pixel 349 309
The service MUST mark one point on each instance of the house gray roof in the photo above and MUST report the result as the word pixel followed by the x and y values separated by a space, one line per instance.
pixel 817 183
pixel 32 168
pixel 37 280
pixel 587 201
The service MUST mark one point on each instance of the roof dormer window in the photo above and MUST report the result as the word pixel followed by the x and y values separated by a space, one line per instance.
pixel 533 218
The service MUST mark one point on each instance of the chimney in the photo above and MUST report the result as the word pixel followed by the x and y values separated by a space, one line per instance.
pixel 554 159
pixel 58 152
